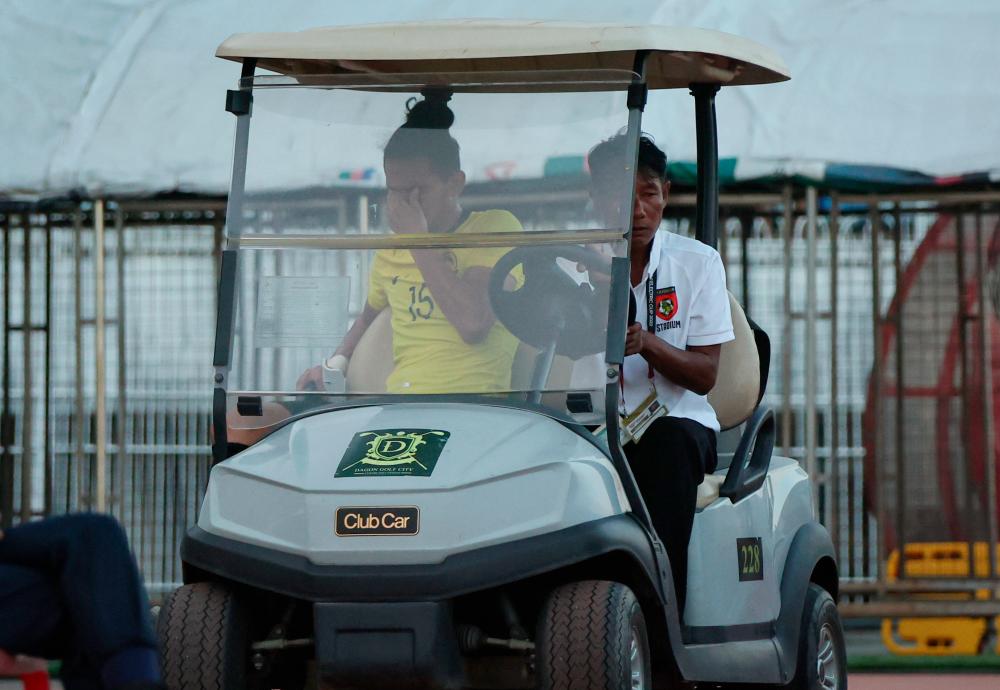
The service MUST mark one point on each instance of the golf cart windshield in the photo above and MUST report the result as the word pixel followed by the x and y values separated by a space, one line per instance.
pixel 434 260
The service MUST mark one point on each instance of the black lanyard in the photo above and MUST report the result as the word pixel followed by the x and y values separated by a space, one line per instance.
pixel 650 326
pixel 651 311
pixel 651 303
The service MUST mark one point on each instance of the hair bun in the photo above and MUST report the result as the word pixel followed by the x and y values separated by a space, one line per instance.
pixel 432 112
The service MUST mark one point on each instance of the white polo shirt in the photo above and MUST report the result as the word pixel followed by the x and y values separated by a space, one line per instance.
pixel 691 307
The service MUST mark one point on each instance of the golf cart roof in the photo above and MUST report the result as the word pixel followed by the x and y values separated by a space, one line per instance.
pixel 678 57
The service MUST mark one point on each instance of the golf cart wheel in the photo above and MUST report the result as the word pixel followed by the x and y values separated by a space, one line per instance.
pixel 822 663
pixel 203 638
pixel 592 636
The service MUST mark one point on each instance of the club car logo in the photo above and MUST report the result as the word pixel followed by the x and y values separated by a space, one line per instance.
pixel 392 453
pixel 377 521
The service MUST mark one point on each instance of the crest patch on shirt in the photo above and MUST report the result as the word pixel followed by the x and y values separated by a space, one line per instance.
pixel 666 303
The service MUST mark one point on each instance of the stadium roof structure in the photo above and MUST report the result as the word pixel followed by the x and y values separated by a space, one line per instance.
pixel 125 97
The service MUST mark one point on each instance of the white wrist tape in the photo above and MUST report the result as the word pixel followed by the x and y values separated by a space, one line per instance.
pixel 334 379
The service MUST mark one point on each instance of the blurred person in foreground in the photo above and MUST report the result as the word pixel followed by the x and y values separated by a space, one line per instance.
pixel 671 349
pixel 70 590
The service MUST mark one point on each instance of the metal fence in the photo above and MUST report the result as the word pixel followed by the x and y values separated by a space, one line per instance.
pixel 157 324
pixel 894 417
pixel 818 273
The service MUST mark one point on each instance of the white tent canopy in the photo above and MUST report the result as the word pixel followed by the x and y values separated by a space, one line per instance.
pixel 126 96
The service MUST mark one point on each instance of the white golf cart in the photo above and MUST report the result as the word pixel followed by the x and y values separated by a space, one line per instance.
pixel 456 531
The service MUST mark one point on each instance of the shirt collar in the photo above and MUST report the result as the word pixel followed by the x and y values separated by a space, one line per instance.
pixel 654 255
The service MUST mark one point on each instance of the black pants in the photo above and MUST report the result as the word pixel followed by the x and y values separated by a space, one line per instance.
pixel 669 463
pixel 69 589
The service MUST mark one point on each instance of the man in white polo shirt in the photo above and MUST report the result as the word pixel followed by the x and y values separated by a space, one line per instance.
pixel 672 348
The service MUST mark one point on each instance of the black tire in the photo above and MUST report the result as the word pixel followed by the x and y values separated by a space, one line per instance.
pixel 822 659
pixel 202 629
pixel 586 636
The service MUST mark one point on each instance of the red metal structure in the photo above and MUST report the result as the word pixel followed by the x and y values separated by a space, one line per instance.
pixel 926 420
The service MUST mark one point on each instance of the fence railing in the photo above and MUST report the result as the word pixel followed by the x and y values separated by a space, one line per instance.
pixel 900 290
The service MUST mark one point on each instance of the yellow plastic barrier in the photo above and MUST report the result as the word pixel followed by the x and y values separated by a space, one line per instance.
pixel 939 636
pixel 934 636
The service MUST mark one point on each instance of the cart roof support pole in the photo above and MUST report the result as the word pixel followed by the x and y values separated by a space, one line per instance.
pixel 618 309
pixel 706 217
pixel 240 104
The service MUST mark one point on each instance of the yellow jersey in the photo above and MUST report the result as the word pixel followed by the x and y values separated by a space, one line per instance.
pixel 429 355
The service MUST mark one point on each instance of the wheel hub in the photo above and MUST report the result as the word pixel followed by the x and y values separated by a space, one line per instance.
pixel 636 662
pixel 827 663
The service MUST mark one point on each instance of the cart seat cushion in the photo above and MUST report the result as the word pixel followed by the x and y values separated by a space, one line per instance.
pixel 708 490
pixel 372 361
pixel 737 385
pixel 523 367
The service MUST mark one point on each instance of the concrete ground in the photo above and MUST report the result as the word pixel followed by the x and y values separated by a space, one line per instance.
pixel 857 681
pixel 863 642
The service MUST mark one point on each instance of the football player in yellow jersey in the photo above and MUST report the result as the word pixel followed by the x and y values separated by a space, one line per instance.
pixel 445 336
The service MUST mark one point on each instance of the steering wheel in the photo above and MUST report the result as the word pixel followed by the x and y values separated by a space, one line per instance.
pixel 550 306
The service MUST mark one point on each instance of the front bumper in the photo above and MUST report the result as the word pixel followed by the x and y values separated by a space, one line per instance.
pixel 295 576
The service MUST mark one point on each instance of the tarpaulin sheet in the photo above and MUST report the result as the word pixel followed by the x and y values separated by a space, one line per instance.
pixel 126 96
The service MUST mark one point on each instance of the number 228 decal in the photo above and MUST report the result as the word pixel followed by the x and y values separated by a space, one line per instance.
pixel 748 553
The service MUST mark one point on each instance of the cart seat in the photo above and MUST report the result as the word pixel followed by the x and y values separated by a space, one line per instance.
pixel 743 367
pixel 738 383
pixel 372 360
pixel 523 367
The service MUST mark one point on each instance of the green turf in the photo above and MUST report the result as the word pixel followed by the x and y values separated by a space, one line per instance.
pixel 888 662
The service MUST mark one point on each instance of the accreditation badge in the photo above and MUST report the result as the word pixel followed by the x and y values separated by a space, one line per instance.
pixel 635 424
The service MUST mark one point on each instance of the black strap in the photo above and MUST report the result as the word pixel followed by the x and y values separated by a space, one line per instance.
pixel 651 302
pixel 650 326
pixel 651 311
